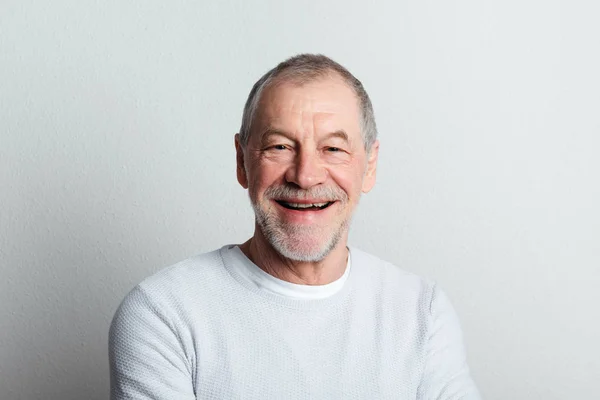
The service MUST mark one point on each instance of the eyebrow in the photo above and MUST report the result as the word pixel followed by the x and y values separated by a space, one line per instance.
pixel 340 133
pixel 271 132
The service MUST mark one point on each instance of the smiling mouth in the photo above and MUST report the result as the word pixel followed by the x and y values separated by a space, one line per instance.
pixel 304 206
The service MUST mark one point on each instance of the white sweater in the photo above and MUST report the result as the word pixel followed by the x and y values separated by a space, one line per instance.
pixel 217 327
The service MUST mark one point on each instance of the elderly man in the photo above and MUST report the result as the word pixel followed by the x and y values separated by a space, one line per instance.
pixel 293 313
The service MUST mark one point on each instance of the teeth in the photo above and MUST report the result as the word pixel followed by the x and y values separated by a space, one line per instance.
pixel 304 205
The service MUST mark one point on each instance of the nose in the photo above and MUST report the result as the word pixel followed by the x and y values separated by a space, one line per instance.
pixel 307 170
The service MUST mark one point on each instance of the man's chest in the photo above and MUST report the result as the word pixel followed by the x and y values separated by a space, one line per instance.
pixel 345 356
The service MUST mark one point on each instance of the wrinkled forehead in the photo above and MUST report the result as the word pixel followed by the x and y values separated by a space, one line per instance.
pixel 323 104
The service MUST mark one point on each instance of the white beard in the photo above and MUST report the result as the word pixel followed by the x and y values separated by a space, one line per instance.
pixel 297 242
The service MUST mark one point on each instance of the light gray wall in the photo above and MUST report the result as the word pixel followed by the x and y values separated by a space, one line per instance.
pixel 116 159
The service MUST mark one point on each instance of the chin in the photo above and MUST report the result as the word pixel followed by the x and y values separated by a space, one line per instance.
pixel 300 251
pixel 302 244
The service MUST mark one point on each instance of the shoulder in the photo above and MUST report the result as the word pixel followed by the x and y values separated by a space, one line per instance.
pixel 377 270
pixel 175 290
pixel 185 275
pixel 391 281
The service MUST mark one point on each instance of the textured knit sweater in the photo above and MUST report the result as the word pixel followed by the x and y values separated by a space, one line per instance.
pixel 207 328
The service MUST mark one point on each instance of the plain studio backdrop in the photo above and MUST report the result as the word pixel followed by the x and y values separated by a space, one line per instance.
pixel 117 159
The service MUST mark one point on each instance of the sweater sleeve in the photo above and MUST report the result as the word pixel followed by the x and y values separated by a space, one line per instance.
pixel 446 375
pixel 147 360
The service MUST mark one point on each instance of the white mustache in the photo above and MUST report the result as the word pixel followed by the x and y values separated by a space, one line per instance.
pixel 322 193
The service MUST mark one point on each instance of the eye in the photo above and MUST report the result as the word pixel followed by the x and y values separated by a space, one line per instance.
pixel 277 147
pixel 333 149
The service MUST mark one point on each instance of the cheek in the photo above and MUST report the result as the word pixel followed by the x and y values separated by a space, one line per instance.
pixel 349 180
pixel 263 176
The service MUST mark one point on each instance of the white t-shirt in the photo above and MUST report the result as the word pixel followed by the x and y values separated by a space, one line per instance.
pixel 264 281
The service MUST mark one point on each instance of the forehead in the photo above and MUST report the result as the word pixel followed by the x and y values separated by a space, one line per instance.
pixel 323 104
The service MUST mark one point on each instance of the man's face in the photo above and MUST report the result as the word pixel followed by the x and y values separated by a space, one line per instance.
pixel 305 166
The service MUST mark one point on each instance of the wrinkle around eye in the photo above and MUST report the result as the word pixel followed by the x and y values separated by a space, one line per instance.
pixel 337 156
pixel 336 150
pixel 277 151
pixel 274 147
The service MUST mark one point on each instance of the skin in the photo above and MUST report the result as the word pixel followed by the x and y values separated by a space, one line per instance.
pixel 306 138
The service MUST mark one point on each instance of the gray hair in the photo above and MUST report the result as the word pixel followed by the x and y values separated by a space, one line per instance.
pixel 302 69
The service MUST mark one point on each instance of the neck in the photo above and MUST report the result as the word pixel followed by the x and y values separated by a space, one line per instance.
pixel 322 272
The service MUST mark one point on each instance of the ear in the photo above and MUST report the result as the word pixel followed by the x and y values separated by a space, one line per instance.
pixel 239 159
pixel 371 172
